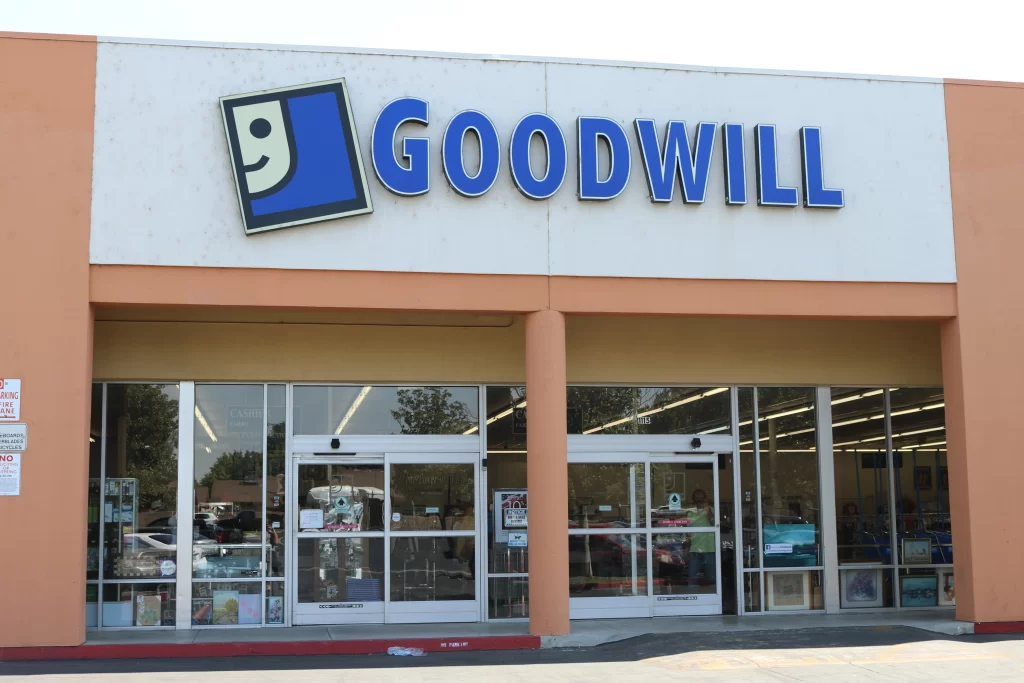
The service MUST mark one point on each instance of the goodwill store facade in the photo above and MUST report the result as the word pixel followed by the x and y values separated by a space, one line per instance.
pixel 313 336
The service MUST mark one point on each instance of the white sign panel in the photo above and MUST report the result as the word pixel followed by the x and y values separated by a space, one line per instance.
pixel 882 141
pixel 10 474
pixel 10 400
pixel 13 438
pixel 311 519
pixel 778 548
pixel 517 539
pixel 675 501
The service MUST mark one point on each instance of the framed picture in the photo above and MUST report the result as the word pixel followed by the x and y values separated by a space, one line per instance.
pixel 923 478
pixel 861 588
pixel 919 591
pixel 788 590
pixel 917 551
pixel 947 593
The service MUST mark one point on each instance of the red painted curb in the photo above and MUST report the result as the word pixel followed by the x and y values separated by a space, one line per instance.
pixel 320 647
pixel 994 627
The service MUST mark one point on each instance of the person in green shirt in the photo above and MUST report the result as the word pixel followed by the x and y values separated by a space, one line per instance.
pixel 701 558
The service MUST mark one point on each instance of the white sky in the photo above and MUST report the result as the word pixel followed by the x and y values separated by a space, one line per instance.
pixel 967 39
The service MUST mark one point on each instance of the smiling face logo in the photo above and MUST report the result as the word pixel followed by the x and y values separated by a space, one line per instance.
pixel 295 156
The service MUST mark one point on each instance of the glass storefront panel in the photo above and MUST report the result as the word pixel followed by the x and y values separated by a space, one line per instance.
pixel 859 455
pixel 138 604
pixel 350 497
pixel 727 532
pixel 682 494
pixel 612 565
pixel 922 473
pixel 793 590
pixel 92 598
pixel 648 410
pixel 228 473
pixel 227 604
pixel 751 547
pixel 683 563
pixel 140 490
pixel 606 495
pixel 432 497
pixel 509 597
pixel 340 570
pixel 277 470
pixel 95 498
pixel 384 410
pixel 506 488
pixel 433 568
pixel 790 518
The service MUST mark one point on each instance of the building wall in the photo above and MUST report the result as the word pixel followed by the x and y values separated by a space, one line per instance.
pixel 981 348
pixel 473 349
pixel 46 138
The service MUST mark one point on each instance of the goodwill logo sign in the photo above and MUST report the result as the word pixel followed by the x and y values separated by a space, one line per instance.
pixel 296 157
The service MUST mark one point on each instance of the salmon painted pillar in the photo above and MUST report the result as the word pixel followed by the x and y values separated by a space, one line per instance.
pixel 546 476
pixel 47 89
pixel 983 352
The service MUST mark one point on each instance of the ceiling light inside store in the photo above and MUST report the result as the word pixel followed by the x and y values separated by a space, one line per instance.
pixel 795 411
pixel 856 397
pixel 206 425
pixel 668 406
pixel 491 420
pixel 352 409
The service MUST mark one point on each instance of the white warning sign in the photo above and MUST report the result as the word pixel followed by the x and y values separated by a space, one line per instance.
pixel 675 501
pixel 10 474
pixel 13 438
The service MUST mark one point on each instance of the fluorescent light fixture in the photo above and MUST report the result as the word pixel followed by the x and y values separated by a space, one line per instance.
pixel 491 420
pixel 795 411
pixel 352 409
pixel 669 406
pixel 208 449
pixel 206 425
pixel 716 429
pixel 923 445
pixel 856 397
pixel 92 440
pixel 506 451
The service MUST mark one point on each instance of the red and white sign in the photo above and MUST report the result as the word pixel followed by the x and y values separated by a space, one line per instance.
pixel 10 400
pixel 10 474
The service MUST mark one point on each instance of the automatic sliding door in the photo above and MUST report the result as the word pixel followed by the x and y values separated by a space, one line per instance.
pixel 431 561
pixel 341 542
pixel 686 571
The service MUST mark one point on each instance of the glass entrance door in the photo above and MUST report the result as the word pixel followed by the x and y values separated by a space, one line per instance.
pixel 386 539
pixel 684 545
pixel 643 535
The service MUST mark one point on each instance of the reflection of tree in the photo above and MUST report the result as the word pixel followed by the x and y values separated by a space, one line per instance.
pixel 431 410
pixel 233 466
pixel 601 405
pixel 151 444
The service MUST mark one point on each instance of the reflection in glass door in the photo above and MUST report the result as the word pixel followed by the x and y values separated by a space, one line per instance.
pixel 643 535
pixel 684 546
pixel 340 541
pixel 432 538
pixel 386 539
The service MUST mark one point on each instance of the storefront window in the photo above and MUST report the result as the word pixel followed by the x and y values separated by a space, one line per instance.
pixel 384 410
pixel 239 515
pixel 140 492
pixel 92 557
pixel 787 438
pixel 869 478
pixel 648 410
pixel 606 495
pixel 507 563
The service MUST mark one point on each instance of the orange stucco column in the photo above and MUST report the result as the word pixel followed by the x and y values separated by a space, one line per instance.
pixel 47 88
pixel 983 373
pixel 547 478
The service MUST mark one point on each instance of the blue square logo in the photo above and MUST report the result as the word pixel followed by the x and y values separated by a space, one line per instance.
pixel 295 156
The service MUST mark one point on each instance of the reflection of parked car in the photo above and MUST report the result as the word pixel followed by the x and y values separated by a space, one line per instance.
pixel 207 517
pixel 227 565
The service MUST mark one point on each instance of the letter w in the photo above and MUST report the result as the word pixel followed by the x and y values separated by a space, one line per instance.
pixel 661 167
